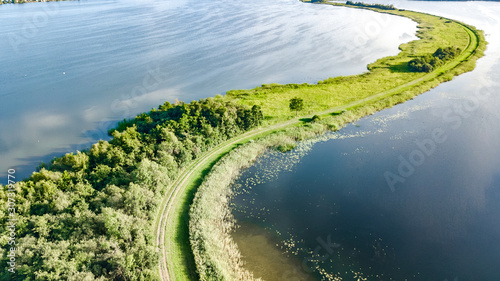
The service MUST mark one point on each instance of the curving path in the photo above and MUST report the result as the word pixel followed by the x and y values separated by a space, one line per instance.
pixel 183 179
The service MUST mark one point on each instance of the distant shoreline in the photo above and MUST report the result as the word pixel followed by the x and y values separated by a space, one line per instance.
pixel 27 1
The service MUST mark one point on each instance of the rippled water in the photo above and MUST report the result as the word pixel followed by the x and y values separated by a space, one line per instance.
pixel 437 221
pixel 70 70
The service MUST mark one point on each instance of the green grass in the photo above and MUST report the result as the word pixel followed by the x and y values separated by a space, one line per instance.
pixel 384 74
pixel 180 261
pixel 338 101
pixel 216 255
pixel 177 234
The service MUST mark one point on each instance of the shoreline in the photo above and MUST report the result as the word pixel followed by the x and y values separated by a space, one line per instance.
pixel 28 1
pixel 132 184
pixel 212 189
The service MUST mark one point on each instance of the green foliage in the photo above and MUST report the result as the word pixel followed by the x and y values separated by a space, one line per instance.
pixel 447 53
pixel 296 104
pixel 286 147
pixel 211 223
pixel 89 214
pixel 315 119
pixel 430 62
pixel 346 99
pixel 378 6
pixel 424 64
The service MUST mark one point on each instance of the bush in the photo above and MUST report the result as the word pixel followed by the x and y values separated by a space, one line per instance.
pixel 447 53
pixel 378 6
pixel 285 147
pixel 102 201
pixel 315 118
pixel 430 62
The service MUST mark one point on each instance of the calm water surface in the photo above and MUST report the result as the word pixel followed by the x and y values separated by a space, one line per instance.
pixel 70 70
pixel 331 205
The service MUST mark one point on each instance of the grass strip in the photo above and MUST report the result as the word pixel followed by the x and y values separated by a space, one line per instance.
pixel 338 100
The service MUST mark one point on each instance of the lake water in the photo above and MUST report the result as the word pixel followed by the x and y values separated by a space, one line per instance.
pixel 409 193
pixel 71 70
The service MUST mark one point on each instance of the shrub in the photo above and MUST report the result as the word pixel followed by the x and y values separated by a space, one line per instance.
pixel 430 62
pixel 315 118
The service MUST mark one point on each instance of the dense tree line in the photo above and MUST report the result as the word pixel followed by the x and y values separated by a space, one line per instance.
pixel 378 6
pixel 430 62
pixel 296 104
pixel 89 215
pixel 25 1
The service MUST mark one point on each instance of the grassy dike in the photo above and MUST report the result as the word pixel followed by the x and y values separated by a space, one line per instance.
pixel 337 100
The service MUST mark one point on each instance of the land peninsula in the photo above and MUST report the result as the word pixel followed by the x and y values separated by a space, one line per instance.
pixel 25 1
pixel 445 48
pixel 151 203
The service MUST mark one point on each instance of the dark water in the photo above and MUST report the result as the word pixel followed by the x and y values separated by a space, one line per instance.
pixel 410 193
pixel 71 69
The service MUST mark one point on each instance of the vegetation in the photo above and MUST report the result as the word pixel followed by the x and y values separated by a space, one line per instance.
pixel 429 62
pixel 377 6
pixel 216 255
pixel 26 1
pixel 388 77
pixel 389 82
pixel 90 214
pixel 296 104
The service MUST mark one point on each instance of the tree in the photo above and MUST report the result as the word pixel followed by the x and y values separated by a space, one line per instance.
pixel 430 62
pixel 296 104
pixel 257 115
pixel 101 201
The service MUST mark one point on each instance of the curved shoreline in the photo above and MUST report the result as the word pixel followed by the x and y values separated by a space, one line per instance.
pixel 356 109
pixel 101 206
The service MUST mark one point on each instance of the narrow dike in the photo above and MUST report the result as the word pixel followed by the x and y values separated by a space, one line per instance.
pixel 151 203
pixel 216 256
